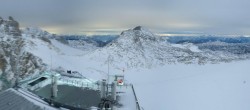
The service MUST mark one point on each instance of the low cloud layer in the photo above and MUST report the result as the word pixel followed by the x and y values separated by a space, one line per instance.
pixel 79 16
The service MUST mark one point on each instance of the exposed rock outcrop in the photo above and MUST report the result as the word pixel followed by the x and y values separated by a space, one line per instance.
pixel 15 61
pixel 10 27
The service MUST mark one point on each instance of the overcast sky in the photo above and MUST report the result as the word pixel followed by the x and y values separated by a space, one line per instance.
pixel 88 16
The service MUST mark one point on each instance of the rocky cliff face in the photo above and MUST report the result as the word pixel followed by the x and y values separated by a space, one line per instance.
pixel 15 62
pixel 9 27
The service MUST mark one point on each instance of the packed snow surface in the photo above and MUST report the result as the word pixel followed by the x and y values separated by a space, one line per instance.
pixel 223 86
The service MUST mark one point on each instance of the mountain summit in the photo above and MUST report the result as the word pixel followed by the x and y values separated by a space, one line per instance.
pixel 138 35
pixel 138 47
pixel 9 27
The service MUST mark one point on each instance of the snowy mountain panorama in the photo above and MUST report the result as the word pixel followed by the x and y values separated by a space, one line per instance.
pixel 139 47
pixel 181 76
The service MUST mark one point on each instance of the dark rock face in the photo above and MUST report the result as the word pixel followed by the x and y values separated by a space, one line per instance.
pixel 138 28
pixel 10 27
pixel 1 20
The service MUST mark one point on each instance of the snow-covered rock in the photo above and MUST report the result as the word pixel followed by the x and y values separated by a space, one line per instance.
pixel 9 27
pixel 84 45
pixel 36 32
pixel 15 61
pixel 189 46
pixel 138 47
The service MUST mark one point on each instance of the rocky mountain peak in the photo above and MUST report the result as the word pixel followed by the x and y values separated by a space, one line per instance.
pixel 11 18
pixel 9 27
pixel 36 32
pixel 1 20
pixel 138 28
pixel 138 35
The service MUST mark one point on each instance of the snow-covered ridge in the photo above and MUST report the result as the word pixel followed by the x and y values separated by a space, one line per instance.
pixel 9 27
pixel 137 35
pixel 36 32
pixel 138 47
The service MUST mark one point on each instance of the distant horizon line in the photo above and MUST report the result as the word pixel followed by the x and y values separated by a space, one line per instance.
pixel 169 34
pixel 92 32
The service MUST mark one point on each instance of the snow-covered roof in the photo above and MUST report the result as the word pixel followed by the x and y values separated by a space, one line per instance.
pixel 12 99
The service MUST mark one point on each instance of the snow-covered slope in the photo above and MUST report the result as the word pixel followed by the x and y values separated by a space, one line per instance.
pixel 57 55
pixel 84 45
pixel 134 48
pixel 138 47
pixel 223 86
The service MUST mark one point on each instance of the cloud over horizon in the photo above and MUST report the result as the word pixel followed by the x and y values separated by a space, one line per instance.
pixel 79 16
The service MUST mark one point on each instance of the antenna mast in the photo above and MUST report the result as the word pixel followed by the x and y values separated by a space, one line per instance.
pixel 108 76
pixel 108 66
pixel 50 62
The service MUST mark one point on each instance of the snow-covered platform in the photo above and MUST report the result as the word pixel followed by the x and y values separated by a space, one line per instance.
pixel 127 98
pixel 79 93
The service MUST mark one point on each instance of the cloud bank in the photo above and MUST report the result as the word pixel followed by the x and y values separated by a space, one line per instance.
pixel 80 16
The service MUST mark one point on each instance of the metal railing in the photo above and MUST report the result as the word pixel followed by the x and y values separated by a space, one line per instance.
pixel 78 83
pixel 138 107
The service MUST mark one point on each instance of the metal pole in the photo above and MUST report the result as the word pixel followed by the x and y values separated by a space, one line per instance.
pixel 137 102
pixel 103 92
pixel 113 91
pixel 54 86
pixel 108 67
pixel 108 77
